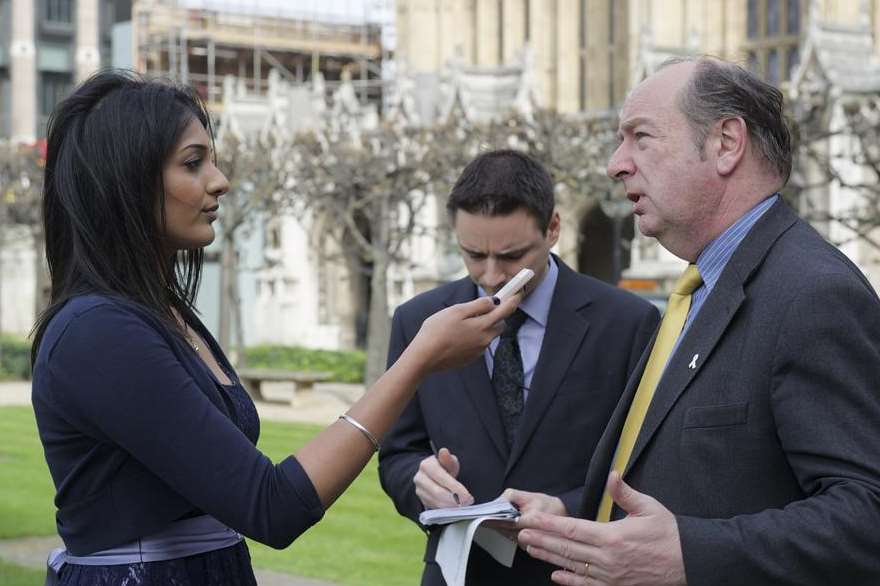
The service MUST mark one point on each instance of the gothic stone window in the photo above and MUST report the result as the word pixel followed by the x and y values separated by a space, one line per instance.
pixel 773 29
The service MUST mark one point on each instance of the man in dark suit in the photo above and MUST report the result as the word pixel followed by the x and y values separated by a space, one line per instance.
pixel 752 458
pixel 527 416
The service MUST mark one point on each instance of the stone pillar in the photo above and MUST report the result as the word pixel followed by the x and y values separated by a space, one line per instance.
pixel 418 40
pixel 23 72
pixel 88 54
pixel 567 56
pixel 710 23
pixel 669 23
pixel 488 33
pixel 733 29
pixel 514 29
pixel 467 13
pixel 620 66
pixel 875 25
pixel 455 34
pixel 543 39
pixel 599 55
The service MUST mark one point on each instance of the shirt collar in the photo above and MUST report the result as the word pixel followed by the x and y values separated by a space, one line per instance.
pixel 537 304
pixel 714 257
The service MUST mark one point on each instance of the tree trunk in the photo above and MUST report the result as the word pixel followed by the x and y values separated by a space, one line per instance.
pixel 2 246
pixel 358 292
pixel 237 354
pixel 41 270
pixel 379 326
pixel 228 271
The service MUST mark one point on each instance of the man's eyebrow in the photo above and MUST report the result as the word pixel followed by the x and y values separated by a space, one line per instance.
pixel 633 122
pixel 509 252
pixel 469 250
pixel 515 251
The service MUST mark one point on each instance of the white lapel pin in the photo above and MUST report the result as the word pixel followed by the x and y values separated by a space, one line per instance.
pixel 693 364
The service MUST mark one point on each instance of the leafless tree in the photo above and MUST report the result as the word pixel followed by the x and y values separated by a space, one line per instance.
pixel 371 186
pixel 841 152
pixel 255 182
pixel 21 186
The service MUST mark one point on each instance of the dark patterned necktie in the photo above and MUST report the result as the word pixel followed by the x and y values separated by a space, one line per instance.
pixel 507 376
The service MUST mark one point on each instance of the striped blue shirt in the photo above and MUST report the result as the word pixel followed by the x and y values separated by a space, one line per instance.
pixel 714 257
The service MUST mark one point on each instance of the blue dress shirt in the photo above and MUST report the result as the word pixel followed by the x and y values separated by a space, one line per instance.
pixel 713 259
pixel 531 334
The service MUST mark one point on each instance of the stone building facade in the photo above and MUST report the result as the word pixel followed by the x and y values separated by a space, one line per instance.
pixel 587 54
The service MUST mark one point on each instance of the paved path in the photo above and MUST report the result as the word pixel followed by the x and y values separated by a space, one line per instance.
pixel 321 406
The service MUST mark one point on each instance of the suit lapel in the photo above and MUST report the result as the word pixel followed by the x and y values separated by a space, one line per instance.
pixel 692 353
pixel 714 318
pixel 476 382
pixel 600 463
pixel 563 335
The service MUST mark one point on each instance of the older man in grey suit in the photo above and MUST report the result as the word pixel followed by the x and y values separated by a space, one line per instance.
pixel 746 447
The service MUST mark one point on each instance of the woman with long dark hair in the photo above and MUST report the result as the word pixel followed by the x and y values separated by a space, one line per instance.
pixel 148 434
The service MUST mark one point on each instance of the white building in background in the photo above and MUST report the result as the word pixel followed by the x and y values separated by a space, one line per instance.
pixel 291 294
pixel 297 288
pixel 17 281
pixel 46 47
pixel 484 57
pixel 587 54
pixel 266 64
pixel 840 69
pixel 298 291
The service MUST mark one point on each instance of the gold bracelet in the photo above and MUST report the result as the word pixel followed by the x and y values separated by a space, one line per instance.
pixel 354 422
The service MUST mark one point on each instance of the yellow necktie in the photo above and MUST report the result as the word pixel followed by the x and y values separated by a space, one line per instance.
pixel 670 328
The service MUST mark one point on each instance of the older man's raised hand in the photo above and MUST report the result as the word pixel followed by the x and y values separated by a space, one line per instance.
pixel 641 549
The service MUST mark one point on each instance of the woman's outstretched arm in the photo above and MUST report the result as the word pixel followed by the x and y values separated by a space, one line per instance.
pixel 449 338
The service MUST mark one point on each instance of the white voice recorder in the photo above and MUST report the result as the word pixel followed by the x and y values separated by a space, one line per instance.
pixel 515 284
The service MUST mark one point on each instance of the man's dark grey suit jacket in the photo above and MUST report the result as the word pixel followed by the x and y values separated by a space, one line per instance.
pixel 768 451
pixel 594 337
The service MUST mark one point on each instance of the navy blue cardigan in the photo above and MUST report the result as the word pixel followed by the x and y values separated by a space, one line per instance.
pixel 136 435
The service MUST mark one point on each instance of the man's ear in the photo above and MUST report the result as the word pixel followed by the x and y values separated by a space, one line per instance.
pixel 553 228
pixel 733 136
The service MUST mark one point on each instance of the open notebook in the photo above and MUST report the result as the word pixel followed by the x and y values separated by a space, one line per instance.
pixel 498 509
pixel 461 528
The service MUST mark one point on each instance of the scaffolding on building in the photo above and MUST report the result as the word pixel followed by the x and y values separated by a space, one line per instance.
pixel 200 46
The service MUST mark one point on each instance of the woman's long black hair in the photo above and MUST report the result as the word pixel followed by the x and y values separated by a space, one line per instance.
pixel 103 196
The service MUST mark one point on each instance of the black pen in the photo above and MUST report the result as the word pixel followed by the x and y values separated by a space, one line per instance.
pixel 436 455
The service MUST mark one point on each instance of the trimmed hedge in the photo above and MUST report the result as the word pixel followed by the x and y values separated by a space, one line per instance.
pixel 15 357
pixel 347 367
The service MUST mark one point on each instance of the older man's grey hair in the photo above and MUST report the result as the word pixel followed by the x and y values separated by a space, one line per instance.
pixel 718 90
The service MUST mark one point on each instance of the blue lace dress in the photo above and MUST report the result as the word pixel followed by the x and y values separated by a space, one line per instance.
pixel 230 566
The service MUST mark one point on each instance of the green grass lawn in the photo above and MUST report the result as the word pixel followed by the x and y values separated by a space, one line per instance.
pixel 26 507
pixel 361 541
pixel 11 575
